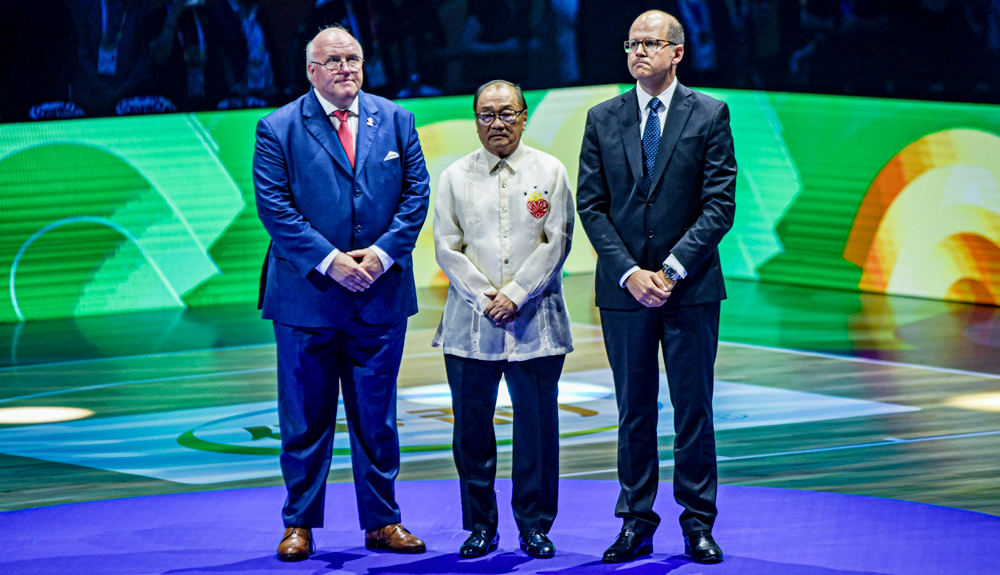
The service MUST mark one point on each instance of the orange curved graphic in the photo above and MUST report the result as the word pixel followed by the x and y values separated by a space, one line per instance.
pixel 929 225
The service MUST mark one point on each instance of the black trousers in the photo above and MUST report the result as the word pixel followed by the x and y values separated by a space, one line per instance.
pixel 688 338
pixel 533 387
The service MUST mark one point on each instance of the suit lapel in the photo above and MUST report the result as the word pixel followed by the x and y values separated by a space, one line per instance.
pixel 628 116
pixel 320 127
pixel 367 112
pixel 677 117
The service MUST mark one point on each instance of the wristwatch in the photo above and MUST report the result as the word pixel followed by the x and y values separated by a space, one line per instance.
pixel 671 273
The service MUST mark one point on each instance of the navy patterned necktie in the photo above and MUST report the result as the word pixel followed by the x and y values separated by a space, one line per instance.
pixel 650 142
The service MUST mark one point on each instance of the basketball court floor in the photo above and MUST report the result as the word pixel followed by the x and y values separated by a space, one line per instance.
pixel 821 395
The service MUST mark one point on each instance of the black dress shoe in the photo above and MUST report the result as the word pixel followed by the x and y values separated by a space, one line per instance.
pixel 702 548
pixel 536 544
pixel 627 547
pixel 478 544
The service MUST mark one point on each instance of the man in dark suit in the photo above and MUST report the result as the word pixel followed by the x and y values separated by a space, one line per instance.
pixel 656 195
pixel 342 189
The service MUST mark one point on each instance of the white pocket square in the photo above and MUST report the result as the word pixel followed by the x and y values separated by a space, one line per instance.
pixel 390 156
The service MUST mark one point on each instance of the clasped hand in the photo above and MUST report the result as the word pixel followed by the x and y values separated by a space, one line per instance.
pixel 354 275
pixel 651 289
pixel 501 310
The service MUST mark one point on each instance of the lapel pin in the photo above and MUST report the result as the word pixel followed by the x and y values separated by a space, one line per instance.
pixel 371 122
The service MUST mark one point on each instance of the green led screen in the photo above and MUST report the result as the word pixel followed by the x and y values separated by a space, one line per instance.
pixel 123 214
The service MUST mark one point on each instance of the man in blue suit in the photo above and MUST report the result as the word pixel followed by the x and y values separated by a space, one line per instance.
pixel 342 189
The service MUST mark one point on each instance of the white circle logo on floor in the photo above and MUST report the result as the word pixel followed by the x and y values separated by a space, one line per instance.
pixel 424 419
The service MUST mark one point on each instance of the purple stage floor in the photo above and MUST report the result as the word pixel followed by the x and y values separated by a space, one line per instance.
pixel 762 532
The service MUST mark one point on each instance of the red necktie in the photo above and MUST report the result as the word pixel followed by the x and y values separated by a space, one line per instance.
pixel 344 133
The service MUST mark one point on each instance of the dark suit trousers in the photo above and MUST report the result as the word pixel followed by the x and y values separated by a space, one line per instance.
pixel 363 360
pixel 688 337
pixel 533 388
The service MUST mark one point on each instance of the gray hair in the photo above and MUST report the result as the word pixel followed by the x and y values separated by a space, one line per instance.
pixel 481 89
pixel 309 44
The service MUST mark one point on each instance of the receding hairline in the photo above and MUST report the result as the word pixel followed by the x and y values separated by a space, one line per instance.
pixel 675 31
pixel 497 83
pixel 311 45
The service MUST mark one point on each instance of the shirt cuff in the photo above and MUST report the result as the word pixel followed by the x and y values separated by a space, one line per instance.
pixel 481 302
pixel 515 293
pixel 324 265
pixel 672 262
pixel 630 271
pixel 383 257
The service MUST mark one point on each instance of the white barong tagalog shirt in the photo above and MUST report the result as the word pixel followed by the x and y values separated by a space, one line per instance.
pixel 504 225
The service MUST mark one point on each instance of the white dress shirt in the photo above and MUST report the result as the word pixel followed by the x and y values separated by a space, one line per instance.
pixel 506 227
pixel 665 97
pixel 352 123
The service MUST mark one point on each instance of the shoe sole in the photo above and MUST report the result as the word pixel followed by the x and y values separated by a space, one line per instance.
pixel 378 546
pixel 293 556
pixel 537 555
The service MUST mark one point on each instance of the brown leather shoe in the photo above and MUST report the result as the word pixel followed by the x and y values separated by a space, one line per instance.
pixel 296 545
pixel 394 538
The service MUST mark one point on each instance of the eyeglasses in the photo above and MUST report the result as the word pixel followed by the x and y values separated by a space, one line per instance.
pixel 650 45
pixel 353 63
pixel 507 117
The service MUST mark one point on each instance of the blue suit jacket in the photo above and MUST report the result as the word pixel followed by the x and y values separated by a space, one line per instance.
pixel 690 205
pixel 310 201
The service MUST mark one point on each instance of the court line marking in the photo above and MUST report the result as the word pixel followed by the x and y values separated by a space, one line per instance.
pixel 855 359
pixel 136 381
pixel 197 375
pixel 886 441
pixel 157 355
pixel 936 369
pixel 197 351
pixel 128 357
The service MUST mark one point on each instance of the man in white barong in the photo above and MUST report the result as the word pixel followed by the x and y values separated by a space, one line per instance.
pixel 503 221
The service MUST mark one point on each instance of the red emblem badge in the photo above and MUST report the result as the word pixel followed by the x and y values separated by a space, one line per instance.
pixel 537 206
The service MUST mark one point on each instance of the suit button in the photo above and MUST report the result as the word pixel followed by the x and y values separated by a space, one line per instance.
pixel 651 234
pixel 357 194
pixel 358 230
pixel 650 204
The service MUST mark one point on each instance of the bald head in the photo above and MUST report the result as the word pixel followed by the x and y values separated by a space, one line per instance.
pixel 655 66
pixel 338 84
pixel 324 34
pixel 671 27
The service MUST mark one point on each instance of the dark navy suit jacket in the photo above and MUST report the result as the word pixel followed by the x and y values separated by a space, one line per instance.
pixel 690 205
pixel 310 201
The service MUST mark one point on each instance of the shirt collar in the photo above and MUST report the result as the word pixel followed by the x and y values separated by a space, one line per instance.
pixel 665 96
pixel 329 108
pixel 514 160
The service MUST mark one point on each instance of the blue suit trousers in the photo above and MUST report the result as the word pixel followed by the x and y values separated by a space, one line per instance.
pixel 362 360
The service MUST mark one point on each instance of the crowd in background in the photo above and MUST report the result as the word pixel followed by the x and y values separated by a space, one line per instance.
pixel 87 58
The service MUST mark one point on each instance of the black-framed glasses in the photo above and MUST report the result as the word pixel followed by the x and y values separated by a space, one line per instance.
pixel 650 45
pixel 353 63
pixel 507 117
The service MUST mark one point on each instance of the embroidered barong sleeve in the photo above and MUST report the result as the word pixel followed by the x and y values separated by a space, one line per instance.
pixel 450 244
